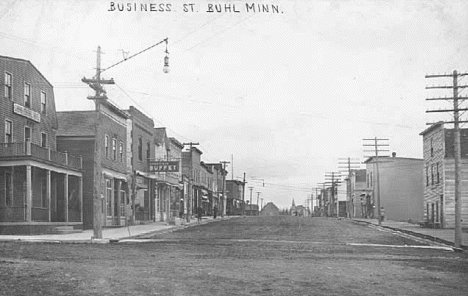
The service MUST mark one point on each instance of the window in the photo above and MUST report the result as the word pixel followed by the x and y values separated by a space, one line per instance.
pixel 27 95
pixel 43 103
pixel 140 149
pixel 43 140
pixel 27 133
pixel 106 145
pixel 432 149
pixel 121 151
pixel 427 176
pixel 8 131
pixel 432 174
pixel 109 197
pixel 148 150
pixel 44 199
pixel 438 175
pixel 8 189
pixel 114 149
pixel 8 88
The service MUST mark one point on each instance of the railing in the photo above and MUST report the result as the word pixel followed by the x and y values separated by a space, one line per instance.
pixel 27 148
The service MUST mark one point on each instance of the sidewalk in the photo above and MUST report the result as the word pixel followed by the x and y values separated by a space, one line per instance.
pixel 108 234
pixel 444 236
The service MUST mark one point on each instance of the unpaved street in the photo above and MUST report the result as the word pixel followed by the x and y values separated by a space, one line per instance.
pixel 280 255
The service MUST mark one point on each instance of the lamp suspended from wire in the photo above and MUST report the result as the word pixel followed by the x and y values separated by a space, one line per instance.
pixel 166 61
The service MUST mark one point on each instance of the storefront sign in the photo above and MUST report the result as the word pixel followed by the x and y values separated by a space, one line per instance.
pixel 26 112
pixel 164 166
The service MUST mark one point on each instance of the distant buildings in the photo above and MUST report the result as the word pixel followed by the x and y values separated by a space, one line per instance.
pixel 270 209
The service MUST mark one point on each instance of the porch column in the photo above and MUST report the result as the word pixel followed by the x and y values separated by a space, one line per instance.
pixel 119 184
pixel 65 190
pixel 80 196
pixel 49 193
pixel 168 204
pixel 111 200
pixel 28 192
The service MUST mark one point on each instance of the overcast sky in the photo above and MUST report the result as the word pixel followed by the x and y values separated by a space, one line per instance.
pixel 287 94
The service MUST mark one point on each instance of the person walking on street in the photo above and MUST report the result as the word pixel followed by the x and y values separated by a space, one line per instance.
pixel 215 212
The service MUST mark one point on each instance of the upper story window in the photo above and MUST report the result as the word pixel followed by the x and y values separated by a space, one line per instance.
pixel 148 150
pixel 121 151
pixel 432 174
pixel 8 86
pixel 427 175
pixel 114 149
pixel 43 103
pixel 43 140
pixel 8 131
pixel 432 148
pixel 438 175
pixel 140 149
pixel 27 95
pixel 106 145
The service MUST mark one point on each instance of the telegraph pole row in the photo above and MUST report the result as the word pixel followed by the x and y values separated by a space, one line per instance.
pixel 250 205
pixel 376 150
pixel 334 182
pixel 223 212
pixel 351 164
pixel 457 158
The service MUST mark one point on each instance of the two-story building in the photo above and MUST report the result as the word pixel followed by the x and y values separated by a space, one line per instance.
pixel 358 191
pixel 439 176
pixel 191 160
pixel 401 187
pixel 77 134
pixel 235 197
pixel 140 142
pixel 40 187
pixel 219 184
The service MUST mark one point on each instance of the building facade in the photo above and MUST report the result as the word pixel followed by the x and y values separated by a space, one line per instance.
pixel 77 134
pixel 235 197
pixel 191 160
pixel 401 187
pixel 40 187
pixel 439 176
pixel 140 143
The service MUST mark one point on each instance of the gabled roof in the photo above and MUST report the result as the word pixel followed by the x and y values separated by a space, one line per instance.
pixel 28 62
pixel 76 123
pixel 176 142
pixel 432 127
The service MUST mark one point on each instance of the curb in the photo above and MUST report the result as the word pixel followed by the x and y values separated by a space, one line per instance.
pixel 429 238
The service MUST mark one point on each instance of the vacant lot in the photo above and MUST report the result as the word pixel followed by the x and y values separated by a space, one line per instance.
pixel 241 256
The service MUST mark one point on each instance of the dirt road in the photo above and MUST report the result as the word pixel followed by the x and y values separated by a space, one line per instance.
pixel 280 255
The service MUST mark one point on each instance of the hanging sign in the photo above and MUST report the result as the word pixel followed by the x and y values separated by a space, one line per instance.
pixel 164 166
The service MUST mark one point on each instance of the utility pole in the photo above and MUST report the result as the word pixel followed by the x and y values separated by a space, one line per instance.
pixel 349 165
pixel 188 202
pixel 376 146
pixel 243 196
pixel 100 95
pixel 223 212
pixel 250 205
pixel 457 155
pixel 98 198
pixel 261 199
pixel 258 195
pixel 334 196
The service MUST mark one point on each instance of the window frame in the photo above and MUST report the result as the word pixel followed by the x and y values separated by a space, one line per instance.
pixel 44 140
pixel 140 149
pixel 121 151
pixel 148 150
pixel 8 89
pixel 10 124
pixel 43 103
pixel 114 148
pixel 106 146
pixel 27 96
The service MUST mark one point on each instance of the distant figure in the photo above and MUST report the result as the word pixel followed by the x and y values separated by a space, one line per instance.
pixel 199 213
pixel 215 212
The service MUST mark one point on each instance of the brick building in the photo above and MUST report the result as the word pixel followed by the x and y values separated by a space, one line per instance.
pixel 439 176
pixel 40 187
pixel 77 134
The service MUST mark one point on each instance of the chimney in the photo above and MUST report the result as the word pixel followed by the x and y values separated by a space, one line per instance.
pixel 393 154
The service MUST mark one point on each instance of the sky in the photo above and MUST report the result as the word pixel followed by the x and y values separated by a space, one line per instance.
pixel 282 96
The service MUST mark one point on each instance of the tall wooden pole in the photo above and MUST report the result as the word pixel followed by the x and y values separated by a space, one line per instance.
pixel 458 229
